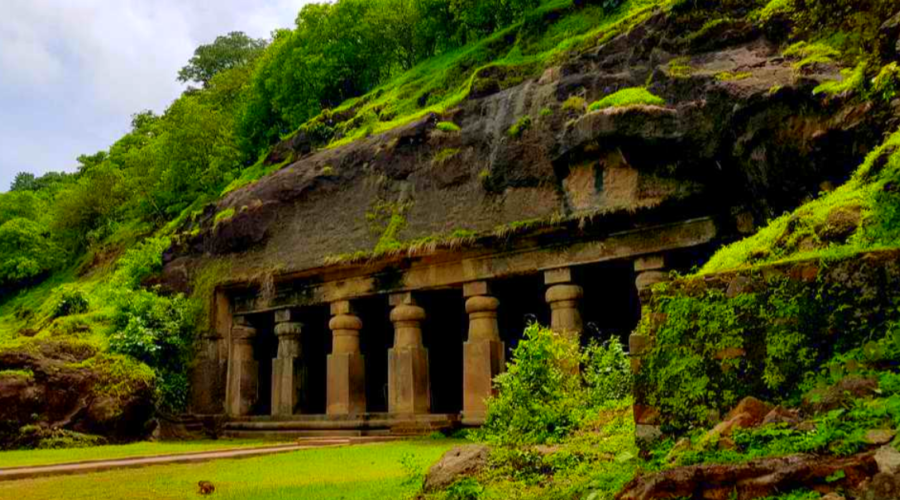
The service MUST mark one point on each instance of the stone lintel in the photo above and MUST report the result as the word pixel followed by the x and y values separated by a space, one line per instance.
pixel 558 276
pixel 402 299
pixel 475 288
pixel 454 273
pixel 653 262
pixel 286 316
pixel 341 307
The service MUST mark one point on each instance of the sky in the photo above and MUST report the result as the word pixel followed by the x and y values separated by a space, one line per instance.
pixel 72 72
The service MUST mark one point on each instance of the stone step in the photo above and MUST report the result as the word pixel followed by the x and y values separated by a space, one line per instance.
pixel 305 436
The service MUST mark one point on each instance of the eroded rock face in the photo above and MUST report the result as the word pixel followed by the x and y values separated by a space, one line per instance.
pixel 761 141
pixel 456 464
pixel 65 391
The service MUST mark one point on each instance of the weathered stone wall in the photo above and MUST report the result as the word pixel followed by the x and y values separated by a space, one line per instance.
pixel 717 147
pixel 706 342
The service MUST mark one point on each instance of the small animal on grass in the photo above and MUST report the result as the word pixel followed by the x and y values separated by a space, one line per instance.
pixel 206 487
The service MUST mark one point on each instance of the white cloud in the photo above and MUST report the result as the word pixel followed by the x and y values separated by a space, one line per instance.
pixel 73 71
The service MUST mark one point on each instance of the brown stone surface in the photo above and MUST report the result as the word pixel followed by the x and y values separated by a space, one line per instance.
pixel 750 412
pixel 830 398
pixel 755 479
pixel 457 463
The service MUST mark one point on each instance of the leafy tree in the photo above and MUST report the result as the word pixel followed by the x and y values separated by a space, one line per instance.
pixel 24 181
pixel 26 252
pixel 229 51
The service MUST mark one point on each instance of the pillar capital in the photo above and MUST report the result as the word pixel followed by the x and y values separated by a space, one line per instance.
pixel 341 307
pixel 407 314
pixel 558 276
pixel 345 322
pixel 399 299
pixel 565 315
pixel 288 329
pixel 286 316
pixel 242 333
pixel 481 303
pixel 475 288
pixel 652 262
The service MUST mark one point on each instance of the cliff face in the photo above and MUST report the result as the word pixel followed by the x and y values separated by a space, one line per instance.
pixel 740 130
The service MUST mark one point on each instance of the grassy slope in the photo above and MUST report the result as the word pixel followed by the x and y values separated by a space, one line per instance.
pixel 356 472
pixel 872 189
pixel 22 458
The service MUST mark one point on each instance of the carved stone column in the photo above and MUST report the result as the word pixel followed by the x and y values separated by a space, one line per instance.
pixel 346 366
pixel 243 370
pixel 409 387
pixel 288 368
pixel 209 375
pixel 483 352
pixel 648 271
pixel 564 298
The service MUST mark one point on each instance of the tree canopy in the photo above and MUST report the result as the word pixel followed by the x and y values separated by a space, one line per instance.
pixel 226 52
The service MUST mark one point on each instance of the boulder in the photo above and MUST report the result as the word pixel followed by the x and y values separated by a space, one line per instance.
pixel 888 460
pixel 840 223
pixel 455 464
pixel 781 415
pixel 754 479
pixel 829 398
pixel 750 412
pixel 878 437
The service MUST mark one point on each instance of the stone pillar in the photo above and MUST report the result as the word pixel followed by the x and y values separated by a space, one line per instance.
pixel 288 368
pixel 564 297
pixel 243 370
pixel 346 366
pixel 209 375
pixel 483 352
pixel 649 270
pixel 409 388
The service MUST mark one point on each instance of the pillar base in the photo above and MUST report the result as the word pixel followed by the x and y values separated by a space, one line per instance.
pixel 482 361
pixel 409 388
pixel 346 384
pixel 245 387
pixel 288 382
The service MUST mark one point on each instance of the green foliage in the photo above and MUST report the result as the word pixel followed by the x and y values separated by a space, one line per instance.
pixel 728 76
pixel 223 216
pixel 464 489
pixel 811 53
pixel 226 52
pixel 606 371
pixel 869 191
pixel 853 81
pixel 519 128
pixel 27 252
pixel 444 155
pixel 627 97
pixel 574 104
pixel 447 127
pixel 543 395
pixel 70 301
pixel 22 374
pixel 679 67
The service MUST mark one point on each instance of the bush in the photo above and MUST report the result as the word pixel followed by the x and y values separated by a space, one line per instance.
pixel 606 371
pixel 542 396
pixel 448 127
pixel 71 301
pixel 520 127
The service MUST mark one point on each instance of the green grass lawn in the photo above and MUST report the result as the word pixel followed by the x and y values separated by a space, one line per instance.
pixel 372 471
pixel 21 458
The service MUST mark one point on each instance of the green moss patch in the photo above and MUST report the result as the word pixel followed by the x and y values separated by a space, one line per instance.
pixel 628 97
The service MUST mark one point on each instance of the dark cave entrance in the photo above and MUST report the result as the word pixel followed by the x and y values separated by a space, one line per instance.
pixel 611 306
pixel 443 333
pixel 375 338
pixel 521 303
pixel 265 348
pixel 315 346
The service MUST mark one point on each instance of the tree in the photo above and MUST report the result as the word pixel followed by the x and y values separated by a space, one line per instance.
pixel 24 181
pixel 230 51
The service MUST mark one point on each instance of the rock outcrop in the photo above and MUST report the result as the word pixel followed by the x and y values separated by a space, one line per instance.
pixel 456 464
pixel 54 389
pixel 741 131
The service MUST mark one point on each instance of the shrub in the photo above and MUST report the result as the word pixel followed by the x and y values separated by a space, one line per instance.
pixel 448 127
pixel 574 104
pixel 538 399
pixel 464 489
pixel 628 97
pixel 520 127
pixel 71 301
pixel 606 371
